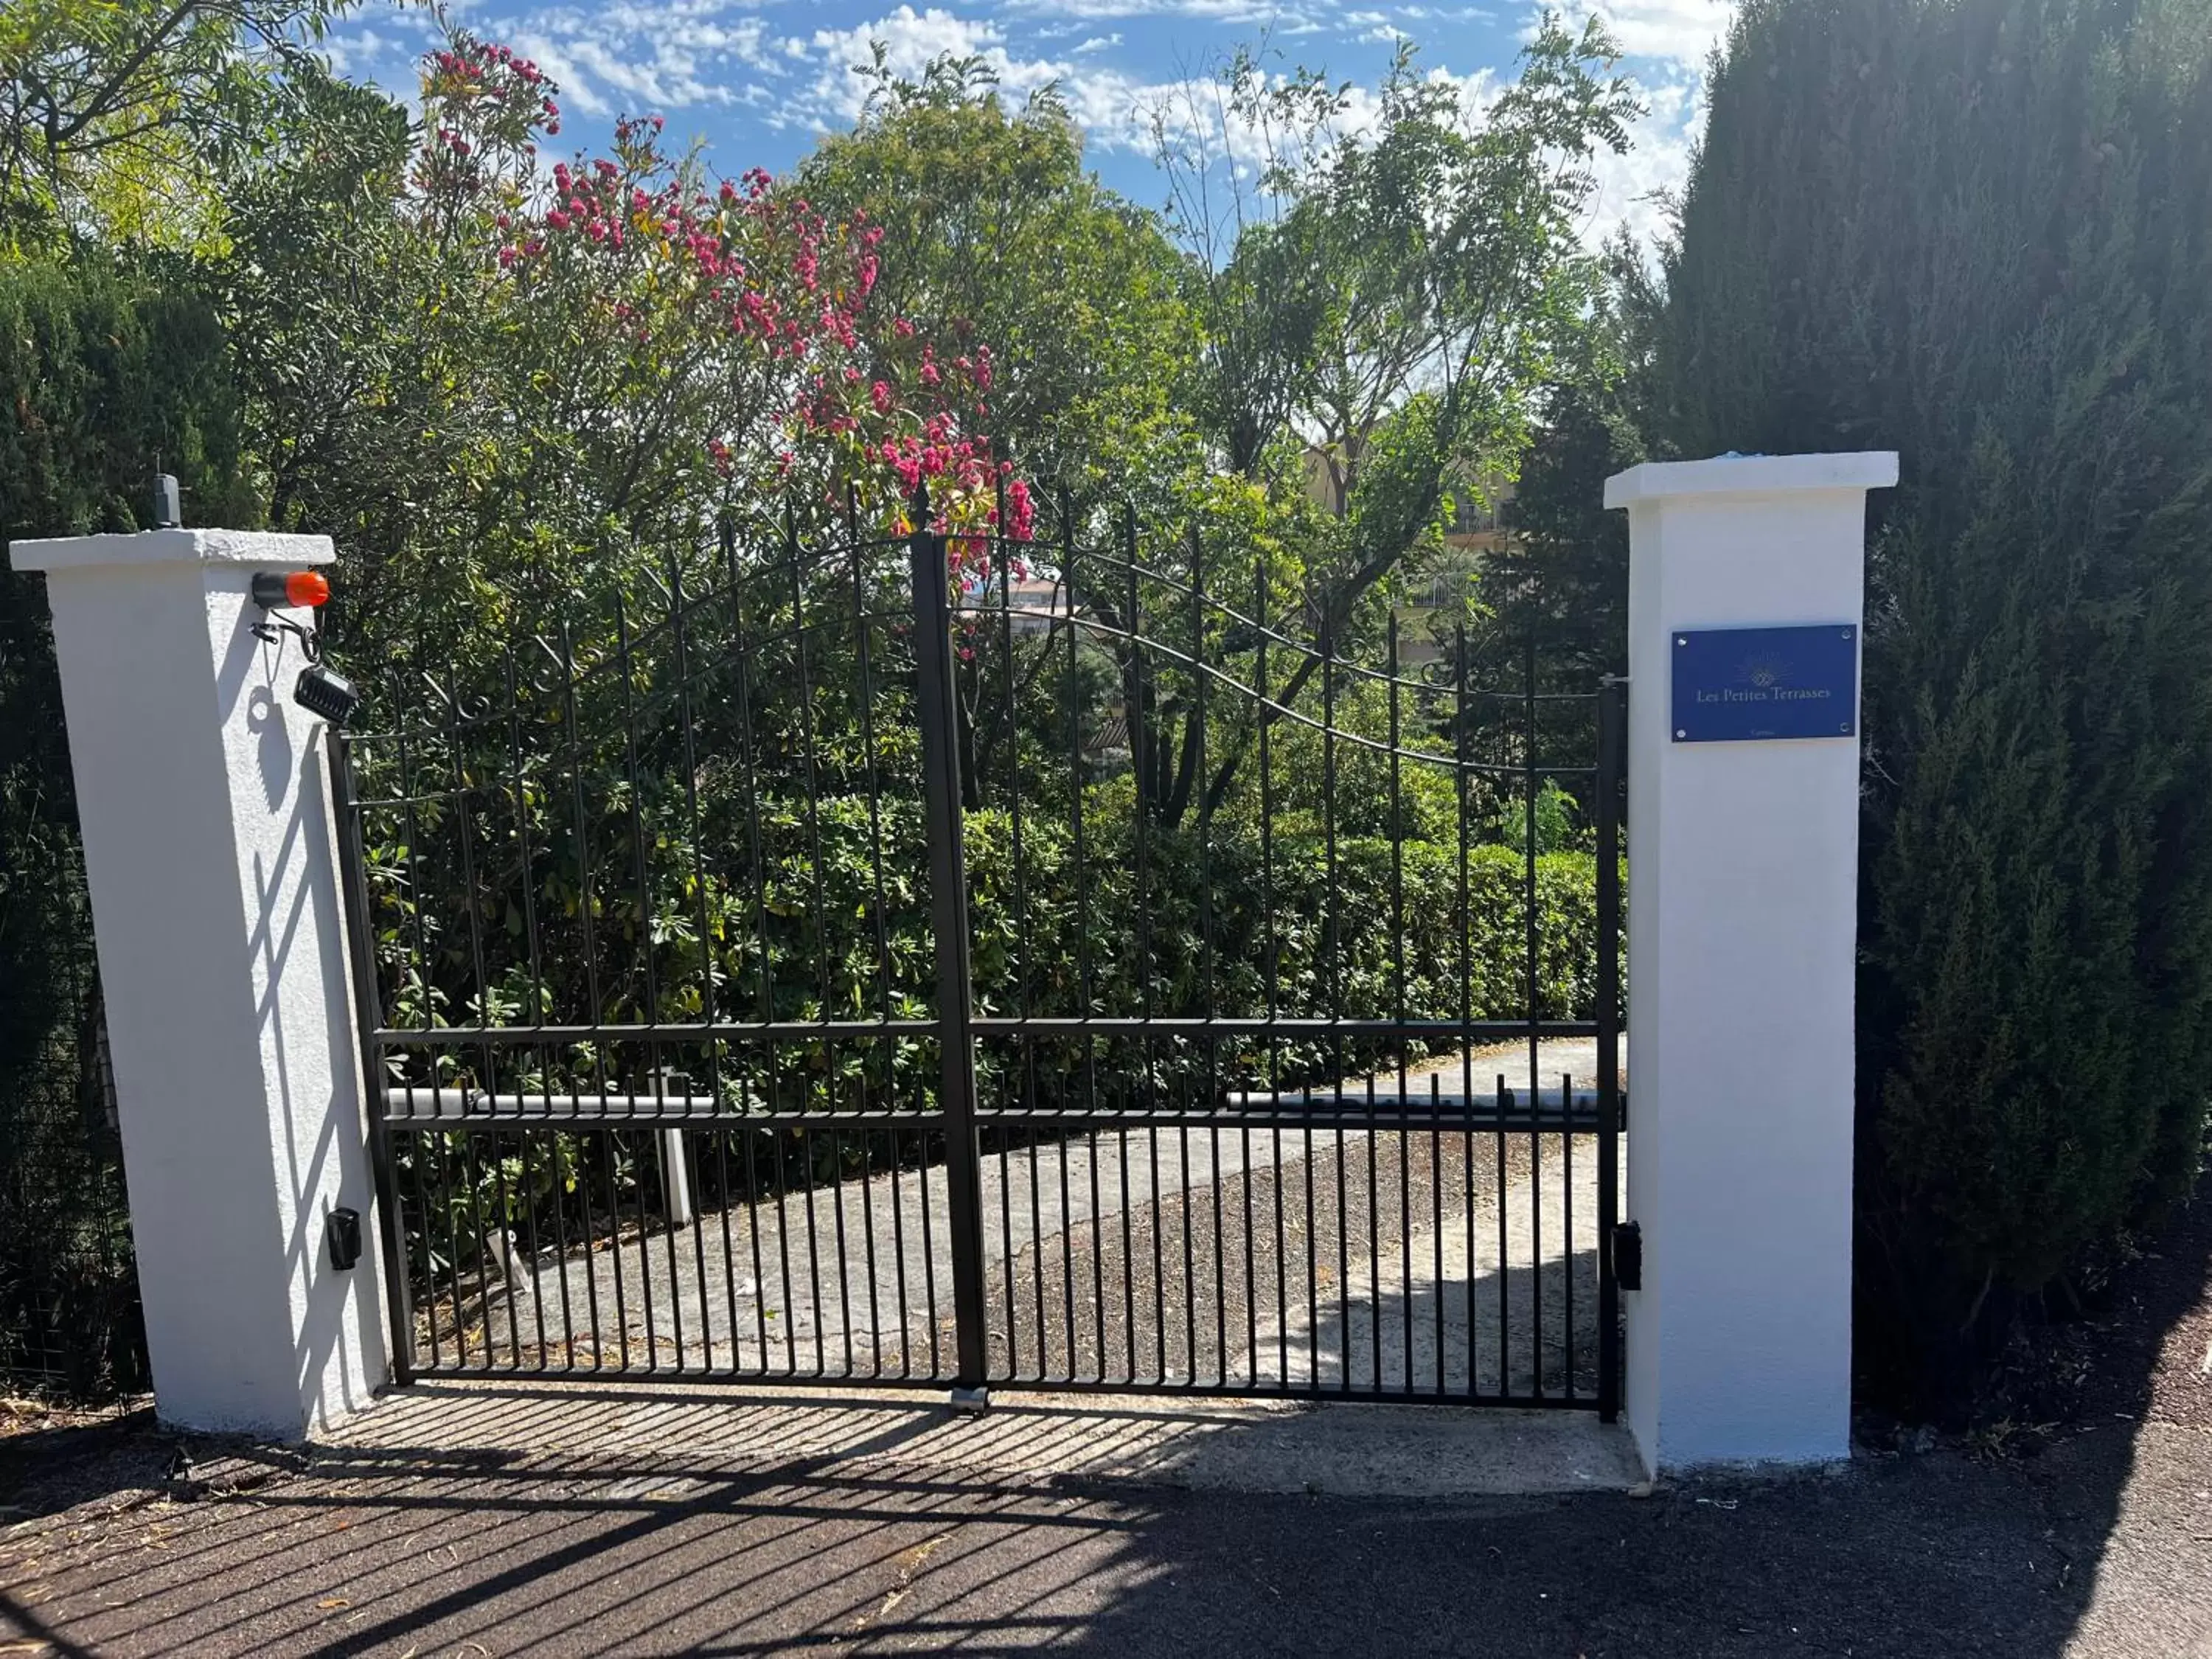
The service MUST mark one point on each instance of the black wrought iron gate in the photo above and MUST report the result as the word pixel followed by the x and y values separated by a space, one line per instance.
pixel 994 965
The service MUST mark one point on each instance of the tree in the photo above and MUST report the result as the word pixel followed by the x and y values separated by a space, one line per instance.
pixel 103 373
pixel 1396 300
pixel 1561 579
pixel 1972 232
pixel 520 382
pixel 995 230
pixel 118 113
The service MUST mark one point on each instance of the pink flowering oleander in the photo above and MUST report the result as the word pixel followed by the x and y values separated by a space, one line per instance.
pixel 631 268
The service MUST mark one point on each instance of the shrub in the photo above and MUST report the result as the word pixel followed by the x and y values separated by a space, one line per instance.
pixel 101 374
pixel 1972 230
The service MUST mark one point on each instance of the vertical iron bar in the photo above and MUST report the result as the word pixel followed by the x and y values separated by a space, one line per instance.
pixel 1199 772
pixel 507 1247
pixel 928 1242
pixel 1460 740
pixel 1085 980
pixel 587 905
pixel 1271 967
pixel 862 1134
pixel 780 1137
pixel 1567 1228
pixel 813 760
pixel 1436 1223
pixel 1398 1009
pixel 1613 700
pixel 680 625
pixel 530 1230
pixel 652 978
pixel 720 1137
pixel 1003 1134
pixel 813 1227
pixel 587 908
pixel 898 1232
pixel 1505 1249
pixel 1334 937
pixel 1535 1015
pixel 753 1225
pixel 527 860
pixel 645 1244
pixel 837 1211
pixel 367 1012
pixel 940 757
pixel 476 1225
pixel 1066 1254
pixel 863 631
pixel 423 1142
pixel 448 1154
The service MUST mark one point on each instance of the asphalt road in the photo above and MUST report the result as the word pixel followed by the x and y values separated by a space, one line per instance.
pixel 2095 1545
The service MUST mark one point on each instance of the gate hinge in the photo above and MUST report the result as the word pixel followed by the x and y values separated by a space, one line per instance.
pixel 1628 1255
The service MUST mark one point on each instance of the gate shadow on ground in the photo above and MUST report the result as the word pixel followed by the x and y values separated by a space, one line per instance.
pixel 851 1539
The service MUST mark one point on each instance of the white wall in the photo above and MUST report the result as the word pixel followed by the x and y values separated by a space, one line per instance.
pixel 1742 926
pixel 208 837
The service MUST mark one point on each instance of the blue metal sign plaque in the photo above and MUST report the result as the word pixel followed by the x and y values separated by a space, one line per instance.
pixel 1747 685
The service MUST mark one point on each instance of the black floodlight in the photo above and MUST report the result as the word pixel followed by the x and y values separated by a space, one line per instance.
pixel 324 694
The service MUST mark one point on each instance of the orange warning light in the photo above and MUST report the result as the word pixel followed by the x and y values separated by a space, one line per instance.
pixel 303 588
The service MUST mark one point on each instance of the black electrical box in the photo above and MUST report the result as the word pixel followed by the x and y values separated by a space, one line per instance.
pixel 345 1230
pixel 1628 1256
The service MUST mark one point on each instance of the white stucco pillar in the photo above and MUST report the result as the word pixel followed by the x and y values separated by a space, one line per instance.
pixel 206 805
pixel 1743 929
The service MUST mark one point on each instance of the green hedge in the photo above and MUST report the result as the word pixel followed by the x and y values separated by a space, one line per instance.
pixel 99 373
pixel 1973 231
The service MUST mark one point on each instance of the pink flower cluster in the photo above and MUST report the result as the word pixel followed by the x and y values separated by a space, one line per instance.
pixel 478 70
pixel 735 284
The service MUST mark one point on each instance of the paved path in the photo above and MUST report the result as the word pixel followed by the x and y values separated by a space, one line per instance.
pixel 1416 1262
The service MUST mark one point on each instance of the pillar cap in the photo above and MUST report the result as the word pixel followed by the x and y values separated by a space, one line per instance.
pixel 268 549
pixel 1752 475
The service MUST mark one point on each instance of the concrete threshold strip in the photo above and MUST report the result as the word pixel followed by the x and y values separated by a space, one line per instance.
pixel 1344 1450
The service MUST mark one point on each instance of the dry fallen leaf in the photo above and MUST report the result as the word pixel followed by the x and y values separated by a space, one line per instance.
pixel 334 1601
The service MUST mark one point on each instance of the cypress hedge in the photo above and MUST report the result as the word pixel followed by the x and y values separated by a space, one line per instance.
pixel 1979 232
pixel 100 373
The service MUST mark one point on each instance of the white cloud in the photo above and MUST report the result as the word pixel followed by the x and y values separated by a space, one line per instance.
pixel 1680 33
pixel 910 40
pixel 387 60
pixel 1105 101
pixel 1255 14
pixel 643 57
pixel 1631 192
pixel 1667 44
pixel 671 56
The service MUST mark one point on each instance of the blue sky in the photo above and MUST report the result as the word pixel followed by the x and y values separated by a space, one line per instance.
pixel 757 80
